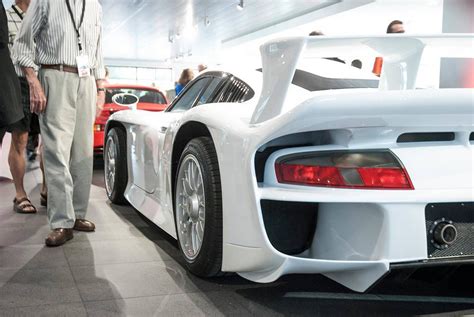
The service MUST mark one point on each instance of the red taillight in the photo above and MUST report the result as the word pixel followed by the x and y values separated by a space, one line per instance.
pixel 384 177
pixel 311 175
pixel 372 170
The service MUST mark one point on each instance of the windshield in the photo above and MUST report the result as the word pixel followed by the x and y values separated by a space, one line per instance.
pixel 144 95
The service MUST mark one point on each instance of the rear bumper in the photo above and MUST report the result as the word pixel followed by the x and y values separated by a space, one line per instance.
pixel 355 244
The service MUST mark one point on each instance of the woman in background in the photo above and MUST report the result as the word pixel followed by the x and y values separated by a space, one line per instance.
pixel 186 76
pixel 11 109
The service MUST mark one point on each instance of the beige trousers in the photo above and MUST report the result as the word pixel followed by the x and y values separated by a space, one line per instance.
pixel 66 130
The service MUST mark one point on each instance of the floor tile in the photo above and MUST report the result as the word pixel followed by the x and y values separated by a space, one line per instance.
pixel 105 213
pixel 24 235
pixel 107 252
pixel 59 310
pixel 6 275
pixel 10 219
pixel 191 304
pixel 38 287
pixel 118 231
pixel 31 257
pixel 115 281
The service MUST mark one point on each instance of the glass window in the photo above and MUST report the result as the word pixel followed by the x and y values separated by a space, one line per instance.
pixel 188 97
pixel 149 96
pixel 209 92
pixel 236 91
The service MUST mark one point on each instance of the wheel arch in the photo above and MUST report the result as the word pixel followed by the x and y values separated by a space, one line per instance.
pixel 113 124
pixel 122 164
pixel 109 126
pixel 188 131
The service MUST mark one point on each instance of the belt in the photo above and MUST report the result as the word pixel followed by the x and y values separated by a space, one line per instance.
pixel 61 67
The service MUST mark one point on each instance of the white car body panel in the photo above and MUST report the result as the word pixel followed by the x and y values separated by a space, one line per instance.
pixel 361 232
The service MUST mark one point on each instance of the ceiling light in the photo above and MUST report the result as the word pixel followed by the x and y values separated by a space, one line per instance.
pixel 240 5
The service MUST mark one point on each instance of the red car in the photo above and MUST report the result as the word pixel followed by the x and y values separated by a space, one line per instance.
pixel 149 98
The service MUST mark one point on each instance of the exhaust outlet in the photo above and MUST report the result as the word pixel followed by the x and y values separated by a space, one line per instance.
pixel 445 233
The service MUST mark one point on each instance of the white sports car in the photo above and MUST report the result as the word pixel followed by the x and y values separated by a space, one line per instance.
pixel 307 165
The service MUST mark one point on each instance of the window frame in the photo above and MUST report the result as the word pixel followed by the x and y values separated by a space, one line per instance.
pixel 187 88
pixel 225 78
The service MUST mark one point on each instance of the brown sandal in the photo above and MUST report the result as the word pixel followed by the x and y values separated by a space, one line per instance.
pixel 22 205
pixel 44 199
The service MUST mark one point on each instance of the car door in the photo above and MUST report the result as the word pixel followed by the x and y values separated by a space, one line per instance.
pixel 148 140
pixel 166 129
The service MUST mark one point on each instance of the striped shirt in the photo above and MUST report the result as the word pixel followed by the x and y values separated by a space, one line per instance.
pixel 14 23
pixel 49 24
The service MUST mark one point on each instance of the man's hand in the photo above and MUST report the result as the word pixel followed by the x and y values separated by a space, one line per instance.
pixel 37 96
pixel 100 103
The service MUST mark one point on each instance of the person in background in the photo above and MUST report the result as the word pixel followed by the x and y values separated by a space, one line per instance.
pixel 107 76
pixel 356 63
pixel 186 76
pixel 316 33
pixel 20 129
pixel 67 93
pixel 396 26
pixel 319 33
pixel 10 97
pixel 202 67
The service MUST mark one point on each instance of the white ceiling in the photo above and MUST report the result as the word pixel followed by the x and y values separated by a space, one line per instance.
pixel 141 29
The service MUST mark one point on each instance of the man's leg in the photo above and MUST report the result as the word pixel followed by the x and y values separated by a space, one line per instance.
pixel 81 163
pixel 16 159
pixel 16 156
pixel 57 130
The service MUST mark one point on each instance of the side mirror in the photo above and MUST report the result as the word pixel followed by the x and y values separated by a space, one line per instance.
pixel 126 100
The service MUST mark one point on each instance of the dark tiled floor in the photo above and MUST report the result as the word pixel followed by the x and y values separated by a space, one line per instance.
pixel 129 267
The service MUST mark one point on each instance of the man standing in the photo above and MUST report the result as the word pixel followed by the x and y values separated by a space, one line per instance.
pixel 20 129
pixel 68 52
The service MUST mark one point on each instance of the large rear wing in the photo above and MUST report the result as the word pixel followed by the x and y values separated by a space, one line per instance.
pixel 401 60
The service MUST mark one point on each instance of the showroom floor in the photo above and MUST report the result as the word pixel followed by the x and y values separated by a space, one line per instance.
pixel 130 267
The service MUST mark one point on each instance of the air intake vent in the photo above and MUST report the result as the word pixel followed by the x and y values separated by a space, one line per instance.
pixel 471 136
pixel 426 137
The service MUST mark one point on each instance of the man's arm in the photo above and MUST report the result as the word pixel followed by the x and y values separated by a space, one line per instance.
pixel 99 70
pixel 24 52
pixel 37 96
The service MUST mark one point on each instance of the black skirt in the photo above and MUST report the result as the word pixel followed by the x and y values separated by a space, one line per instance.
pixel 11 109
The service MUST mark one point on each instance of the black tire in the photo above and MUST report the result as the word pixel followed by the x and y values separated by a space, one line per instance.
pixel 208 261
pixel 116 137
